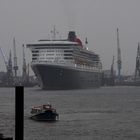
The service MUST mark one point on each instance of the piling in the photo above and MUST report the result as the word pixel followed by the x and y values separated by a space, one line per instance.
pixel 19 113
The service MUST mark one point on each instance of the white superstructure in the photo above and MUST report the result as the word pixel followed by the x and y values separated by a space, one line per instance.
pixel 64 53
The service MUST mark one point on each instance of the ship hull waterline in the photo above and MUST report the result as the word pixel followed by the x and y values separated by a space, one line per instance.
pixel 61 77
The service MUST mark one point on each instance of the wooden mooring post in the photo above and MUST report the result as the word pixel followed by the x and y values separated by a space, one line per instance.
pixel 19 113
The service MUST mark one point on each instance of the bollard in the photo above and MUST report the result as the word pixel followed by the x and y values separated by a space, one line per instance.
pixel 19 113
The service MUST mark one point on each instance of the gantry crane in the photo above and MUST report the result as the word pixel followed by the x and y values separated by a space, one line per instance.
pixel 112 68
pixel 4 58
pixel 15 67
pixel 8 64
pixel 112 78
pixel 119 61
pixel 25 76
pixel 137 71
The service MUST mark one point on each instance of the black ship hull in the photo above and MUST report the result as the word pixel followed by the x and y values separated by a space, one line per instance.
pixel 61 77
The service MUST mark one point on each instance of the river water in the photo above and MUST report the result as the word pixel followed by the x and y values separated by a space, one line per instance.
pixel 107 113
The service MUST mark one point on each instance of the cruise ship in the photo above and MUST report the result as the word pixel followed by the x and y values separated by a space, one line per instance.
pixel 65 64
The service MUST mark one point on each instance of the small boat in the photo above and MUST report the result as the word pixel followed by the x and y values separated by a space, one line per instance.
pixel 44 113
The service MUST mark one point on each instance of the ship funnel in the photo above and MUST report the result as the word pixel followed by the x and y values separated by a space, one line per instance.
pixel 71 36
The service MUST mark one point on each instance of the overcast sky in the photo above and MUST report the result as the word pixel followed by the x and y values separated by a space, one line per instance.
pixel 30 20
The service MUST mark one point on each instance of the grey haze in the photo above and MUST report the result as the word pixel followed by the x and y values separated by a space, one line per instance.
pixel 30 20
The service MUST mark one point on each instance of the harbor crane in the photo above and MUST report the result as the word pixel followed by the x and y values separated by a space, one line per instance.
pixel 112 68
pixel 10 72
pixel 15 67
pixel 25 76
pixel 112 73
pixel 4 58
pixel 137 71
pixel 8 64
pixel 119 61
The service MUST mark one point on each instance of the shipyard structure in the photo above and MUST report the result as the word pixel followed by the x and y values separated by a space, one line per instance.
pixel 134 80
pixel 111 77
pixel 10 77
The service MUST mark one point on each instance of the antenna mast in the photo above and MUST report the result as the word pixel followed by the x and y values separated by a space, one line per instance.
pixel 54 32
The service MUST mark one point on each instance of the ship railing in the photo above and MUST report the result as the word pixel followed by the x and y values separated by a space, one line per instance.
pixel 66 63
pixel 87 67
pixel 70 64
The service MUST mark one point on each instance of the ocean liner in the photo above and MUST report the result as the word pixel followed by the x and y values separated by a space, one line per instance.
pixel 65 64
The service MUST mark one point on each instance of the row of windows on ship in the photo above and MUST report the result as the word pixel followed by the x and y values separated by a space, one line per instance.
pixel 47 55
pixel 50 50
pixel 52 56
pixel 76 61
pixel 60 52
